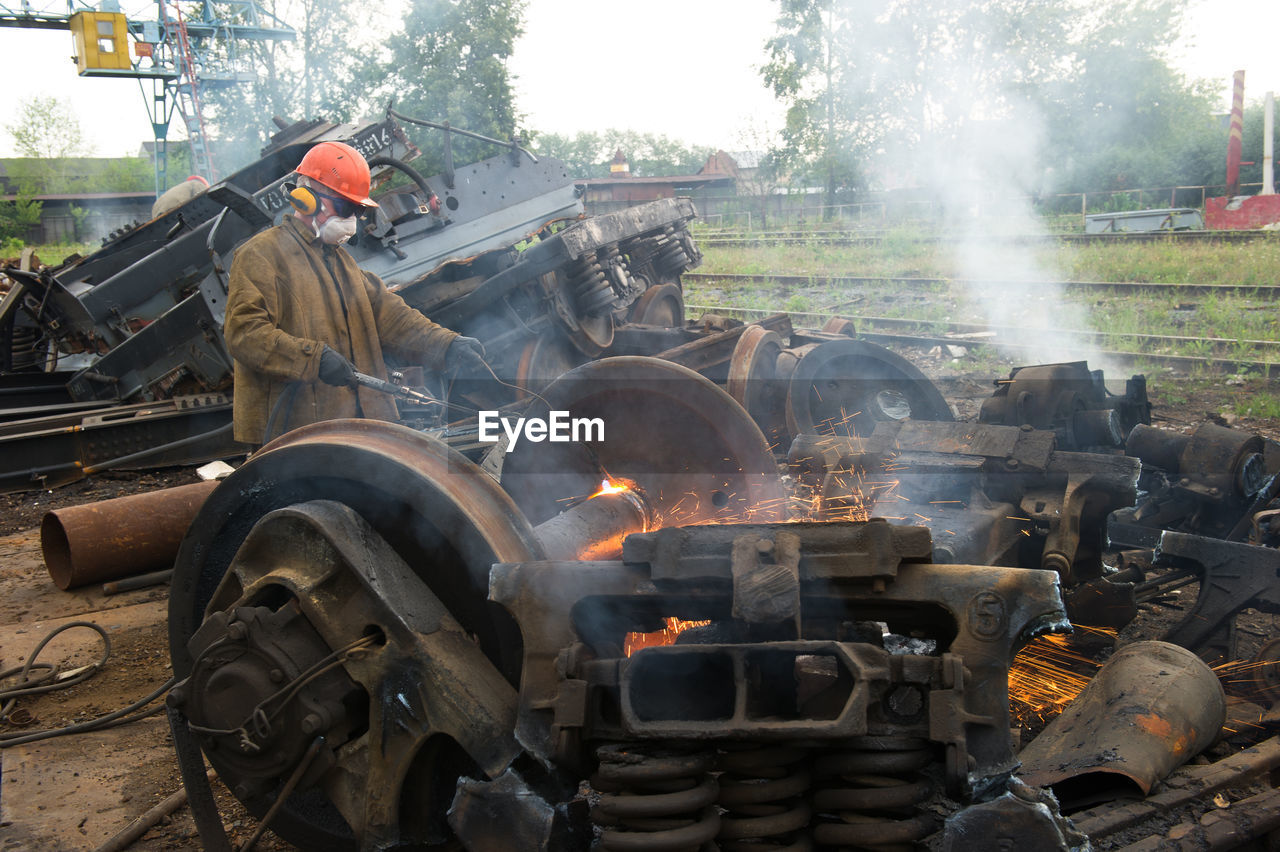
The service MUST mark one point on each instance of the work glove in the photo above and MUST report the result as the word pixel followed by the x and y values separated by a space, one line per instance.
pixel 465 358
pixel 336 370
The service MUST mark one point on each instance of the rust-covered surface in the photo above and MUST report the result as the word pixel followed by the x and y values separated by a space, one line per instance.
pixel 749 615
pixel 1150 709
pixel 110 539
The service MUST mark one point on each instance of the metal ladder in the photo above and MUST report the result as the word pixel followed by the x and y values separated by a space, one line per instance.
pixel 186 91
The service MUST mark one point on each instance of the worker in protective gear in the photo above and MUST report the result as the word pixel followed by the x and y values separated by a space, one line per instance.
pixel 301 317
pixel 176 196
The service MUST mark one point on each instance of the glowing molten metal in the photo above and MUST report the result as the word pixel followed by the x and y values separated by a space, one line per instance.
pixel 593 527
pixel 610 486
pixel 666 636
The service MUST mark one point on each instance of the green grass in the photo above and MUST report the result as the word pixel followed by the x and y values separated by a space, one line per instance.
pixel 797 303
pixel 908 259
pixel 1262 405
pixel 1238 319
pixel 50 254
pixel 1256 263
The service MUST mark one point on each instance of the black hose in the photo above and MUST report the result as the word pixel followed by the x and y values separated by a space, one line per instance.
pixel 213 837
pixel 48 683
pixel 468 133
pixel 151 451
pixel 406 169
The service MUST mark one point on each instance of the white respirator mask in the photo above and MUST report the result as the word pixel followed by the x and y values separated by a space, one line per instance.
pixel 335 231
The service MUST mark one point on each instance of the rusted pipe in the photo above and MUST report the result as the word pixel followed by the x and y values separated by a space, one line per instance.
pixel 117 538
pixel 1152 707
pixel 126 837
pixel 139 581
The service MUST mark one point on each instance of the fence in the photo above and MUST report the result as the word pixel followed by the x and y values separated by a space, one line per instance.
pixel 876 210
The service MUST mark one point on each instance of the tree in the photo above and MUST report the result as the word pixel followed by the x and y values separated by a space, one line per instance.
pixel 582 153
pixel 47 135
pixel 449 62
pixel 759 182
pixel 312 77
pixel 588 154
pixel 446 61
pixel 1123 118
pixel 822 126
pixel 18 217
pixel 973 86
pixel 46 128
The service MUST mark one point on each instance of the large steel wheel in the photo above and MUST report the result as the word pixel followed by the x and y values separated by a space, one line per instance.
pixel 661 304
pixel 695 454
pixel 371 492
pixel 845 387
pixel 543 360
pixel 752 379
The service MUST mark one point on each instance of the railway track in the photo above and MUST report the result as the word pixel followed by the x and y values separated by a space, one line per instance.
pixel 1261 291
pixel 1082 345
pixel 847 238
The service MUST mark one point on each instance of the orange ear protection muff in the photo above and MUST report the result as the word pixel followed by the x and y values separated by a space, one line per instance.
pixel 304 200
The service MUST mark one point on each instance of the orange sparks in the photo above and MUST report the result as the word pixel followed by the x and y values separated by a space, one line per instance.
pixel 1048 674
pixel 610 486
pixel 666 636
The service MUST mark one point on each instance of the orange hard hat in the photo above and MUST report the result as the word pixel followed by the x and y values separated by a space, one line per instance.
pixel 339 167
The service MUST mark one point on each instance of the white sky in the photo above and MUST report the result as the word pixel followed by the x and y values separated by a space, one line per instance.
pixel 688 69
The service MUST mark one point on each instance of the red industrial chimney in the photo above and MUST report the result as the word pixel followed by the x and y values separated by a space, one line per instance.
pixel 1233 211
pixel 1235 136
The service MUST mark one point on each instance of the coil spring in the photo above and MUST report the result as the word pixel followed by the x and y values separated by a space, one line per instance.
pixel 592 293
pixel 868 795
pixel 618 273
pixel 657 800
pixel 763 790
pixel 639 252
pixel 671 258
pixel 22 347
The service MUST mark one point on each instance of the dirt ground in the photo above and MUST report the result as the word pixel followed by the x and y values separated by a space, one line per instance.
pixel 29 605
pixel 25 510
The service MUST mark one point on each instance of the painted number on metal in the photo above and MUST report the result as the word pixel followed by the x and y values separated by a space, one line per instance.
pixel 988 616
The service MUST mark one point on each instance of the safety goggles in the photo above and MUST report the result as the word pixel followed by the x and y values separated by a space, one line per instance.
pixel 341 206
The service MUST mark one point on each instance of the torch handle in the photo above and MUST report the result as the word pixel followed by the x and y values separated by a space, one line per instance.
pixel 383 386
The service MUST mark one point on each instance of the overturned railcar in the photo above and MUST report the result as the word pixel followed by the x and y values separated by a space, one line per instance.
pixel 497 249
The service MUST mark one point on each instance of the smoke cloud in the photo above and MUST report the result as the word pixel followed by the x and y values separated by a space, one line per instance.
pixel 958 76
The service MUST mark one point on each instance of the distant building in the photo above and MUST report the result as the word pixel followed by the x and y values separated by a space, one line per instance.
pixel 619 168
pixel 70 210
pixel 742 166
pixel 621 186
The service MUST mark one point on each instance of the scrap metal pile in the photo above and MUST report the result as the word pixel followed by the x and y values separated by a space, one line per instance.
pixel 785 601
pixel 693 636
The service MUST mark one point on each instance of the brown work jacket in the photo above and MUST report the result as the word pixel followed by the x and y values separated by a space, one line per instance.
pixel 289 295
